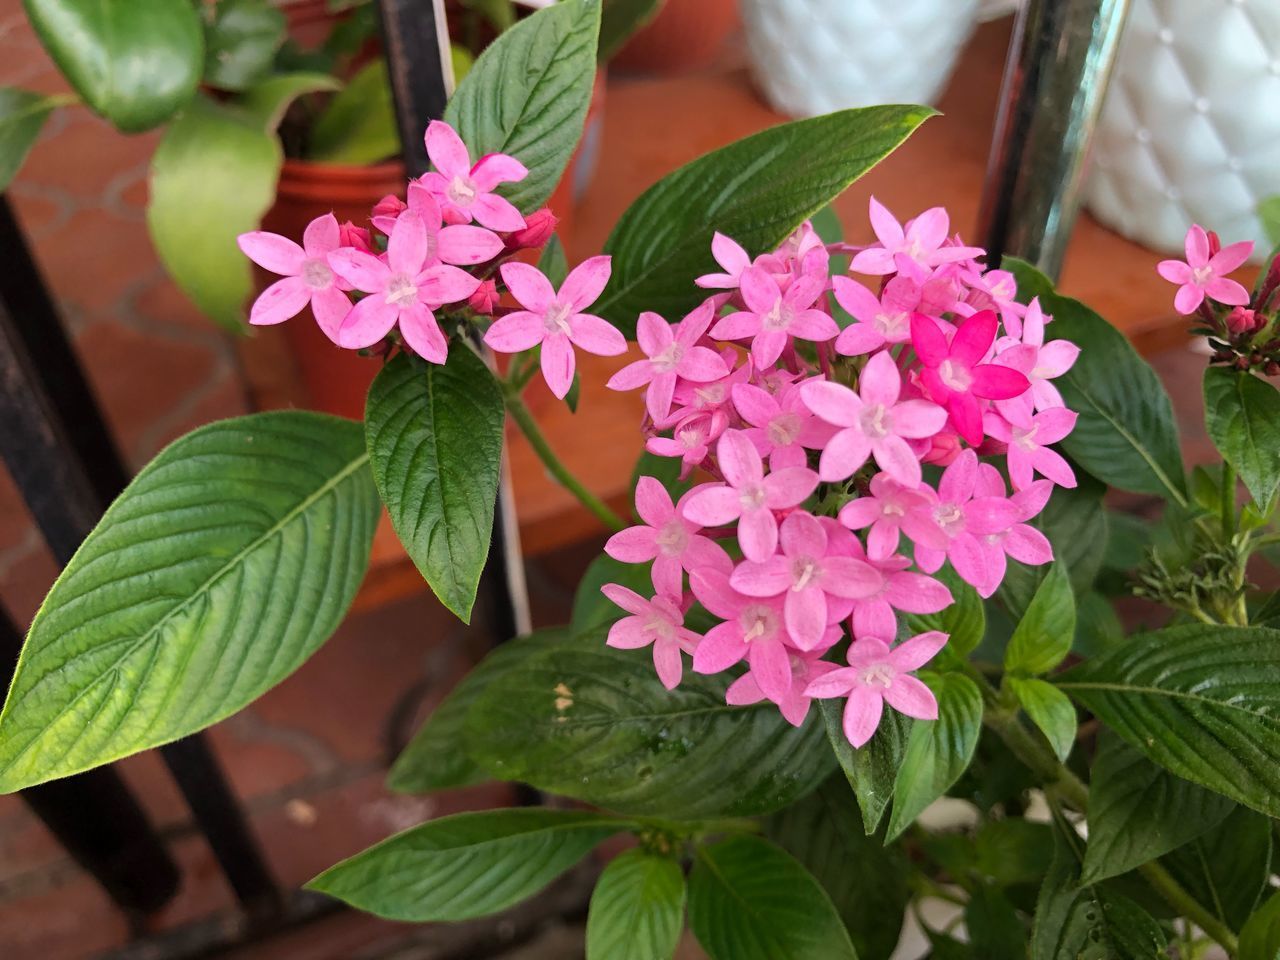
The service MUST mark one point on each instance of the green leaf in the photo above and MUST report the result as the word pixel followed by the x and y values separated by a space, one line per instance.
pixel 620 20
pixel 872 768
pixel 1228 868
pixel 750 901
pixel 221 568
pixel 1098 627
pixel 591 608
pixel 1074 922
pixel 1201 701
pixel 1269 212
pixel 528 94
pixel 637 909
pixel 593 723
pixel 552 261
pixel 268 100
pixel 1242 414
pixel 1012 851
pixel 1049 709
pixel 467 865
pixel 938 751
pixel 135 62
pixel 358 127
pixel 435 444
pixel 995 932
pixel 965 621
pixel 241 39
pixel 22 117
pixel 213 176
pixel 1260 937
pixel 666 470
pixel 1043 636
pixel 824 832
pixel 1126 435
pixel 1139 811
pixel 756 191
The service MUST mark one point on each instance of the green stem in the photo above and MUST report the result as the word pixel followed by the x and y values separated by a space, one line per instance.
pixel 1228 502
pixel 1178 898
pixel 529 427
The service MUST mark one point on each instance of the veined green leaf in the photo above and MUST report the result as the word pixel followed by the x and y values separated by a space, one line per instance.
pixel 1242 415
pixel 22 117
pixel 964 622
pixel 872 768
pixel 1260 937
pixel 1228 868
pixel 1049 709
pixel 1043 636
pixel 637 909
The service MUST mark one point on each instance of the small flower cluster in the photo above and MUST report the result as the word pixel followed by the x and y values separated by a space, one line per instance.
pixel 807 432
pixel 1243 328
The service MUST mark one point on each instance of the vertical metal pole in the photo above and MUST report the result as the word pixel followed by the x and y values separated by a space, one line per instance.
pixel 1060 60
pixel 62 458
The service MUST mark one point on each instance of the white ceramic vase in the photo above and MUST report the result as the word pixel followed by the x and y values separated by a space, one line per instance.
pixel 1190 131
pixel 815 56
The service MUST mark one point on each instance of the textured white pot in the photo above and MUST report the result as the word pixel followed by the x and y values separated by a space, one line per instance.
pixel 1190 131
pixel 815 56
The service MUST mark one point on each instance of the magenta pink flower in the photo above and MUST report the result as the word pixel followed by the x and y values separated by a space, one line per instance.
pixel 466 192
pixel 712 397
pixel 658 622
pixel 555 319
pixel 670 355
pixel 993 290
pixel 690 440
pixel 901 589
pixel 667 538
pixel 402 289
pixel 773 316
pixel 883 510
pixel 874 422
pixel 306 272
pixel 733 261
pixel 782 427
pixel 882 320
pixel 1021 541
pixel 1203 275
pixel 877 674
pixel 753 630
pixel 804 574
pixel 1040 362
pixel 924 240
pixel 954 373
pixel 1028 438
pixel 748 496
pixel 794 705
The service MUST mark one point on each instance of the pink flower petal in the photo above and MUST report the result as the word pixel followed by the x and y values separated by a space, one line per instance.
pixel 628 634
pixel 974 337
pixel 447 151
pixel 771 667
pixel 626 598
pixel 928 341
pixel 594 335
pixel 1175 271
pixel 862 713
pixel 653 333
pixel 653 502
pixel 529 286
pixel 467 245
pixel 585 282
pixel 368 322
pixel 713 504
pixel 631 377
pixel 702 365
pixel 769 578
pixel 495 168
pixel 918 419
pixel 633 545
pixel 1188 299
pixel 330 308
pixel 874 619
pixel 994 382
pixel 407 248
pixel 422 333
pixel 805 616
pixel 851 578
pixel 272 252
pixel 1227 291
pixel 844 455
pixel 363 271
pixel 321 235
pixel 788 487
pixel 1197 246
pixel 739 460
pixel 518 331
pixel 915 653
pixel 859 339
pixel 767 347
pixel 803 535
pixel 557 364
pixel 833 402
pixel 1028 545
pixel 1231 257
pixel 736 326
pixel 720 649
pixel 743 692
pixel 887 229
pixel 895 458
pixel 280 301
pixel 667 663
pixel 729 254
pixel 442 283
pixel 880 382
pixel 910 696
pixel 758 534
pixel 917 593
pixel 496 213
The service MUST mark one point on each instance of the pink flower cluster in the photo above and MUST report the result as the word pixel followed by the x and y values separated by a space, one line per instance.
pixel 805 434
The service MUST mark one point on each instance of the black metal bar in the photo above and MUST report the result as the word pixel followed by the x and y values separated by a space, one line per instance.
pixel 58 449
pixel 1060 59
pixel 416 38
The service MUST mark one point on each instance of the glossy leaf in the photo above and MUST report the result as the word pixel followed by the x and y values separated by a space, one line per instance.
pixel 872 768
pixel 1242 415
pixel 756 190
pixel 1228 868
pixel 1049 709
pixel 748 900
pixel 241 38
pixel 358 127
pixel 1139 811
pixel 467 865
pixel 1042 638
pixel 620 20
pixel 594 724
pixel 964 622
pixel 1098 627
pixel 221 568
pixel 268 100
pixel 637 909
pixel 1260 937
pixel 591 608
pixel 938 751
pixel 213 176
pixel 995 932
pixel 1126 435
pixel 135 62
pixel 1202 701
pixel 528 94
pixel 435 444
pixel 22 117
pixel 824 832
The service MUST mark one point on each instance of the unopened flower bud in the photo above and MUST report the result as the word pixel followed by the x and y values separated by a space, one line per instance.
pixel 386 211
pixel 1215 243
pixel 349 235
pixel 538 227
pixel 1272 369
pixel 1242 321
pixel 943 449
pixel 485 300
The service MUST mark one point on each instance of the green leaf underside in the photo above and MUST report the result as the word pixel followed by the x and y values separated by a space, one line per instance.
pixel 637 909
pixel 593 723
pixel 1242 415
pixel 1043 636
pixel 435 444
pixel 467 865
pixel 872 768
pixel 1126 435
pixel 1202 701
pixel 756 191
pixel 1139 811
pixel 748 900
pixel 528 95
pixel 1049 709
pixel 22 117
pixel 938 751
pixel 223 566
pixel 213 176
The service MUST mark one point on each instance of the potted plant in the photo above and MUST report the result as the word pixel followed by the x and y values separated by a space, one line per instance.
pixel 870 566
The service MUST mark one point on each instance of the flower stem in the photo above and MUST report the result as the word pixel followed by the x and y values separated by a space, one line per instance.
pixel 529 427
pixel 1228 502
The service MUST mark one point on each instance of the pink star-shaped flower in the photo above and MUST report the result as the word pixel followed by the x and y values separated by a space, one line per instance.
pixel 1021 541
pixel 1040 362
pixel 690 440
pixel 308 279
pixel 782 427
pixel 1203 275
pixel 1028 438
pixel 883 510
pixel 733 260
pixel 873 422
pixel 882 320
pixel 670 356
pixel 773 315
pixel 923 240
pixel 555 319
pixel 462 244
pixel 668 539
pixel 466 192
pixel 877 675
pixel 658 622
pixel 901 589
pixel 748 496
pixel 404 289
pixel 794 705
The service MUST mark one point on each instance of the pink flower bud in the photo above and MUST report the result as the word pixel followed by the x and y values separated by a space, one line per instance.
pixel 539 226
pixel 1215 244
pixel 943 449
pixel 485 300
pixel 1242 321
pixel 385 212
pixel 349 235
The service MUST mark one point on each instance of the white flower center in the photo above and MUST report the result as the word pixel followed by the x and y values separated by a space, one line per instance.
pixel 751 496
pixel 691 437
pixel 804 571
pixel 891 326
pixel 461 191
pixel 712 395
pixel 955 375
pixel 876 421
pixel 673 538
pixel 783 429
pixel 659 627
pixel 758 622
pixel 949 517
pixel 1025 437
pixel 779 317
pixel 401 292
pixel 669 359
pixel 879 675
pixel 317 274
pixel 1201 275
pixel 556 319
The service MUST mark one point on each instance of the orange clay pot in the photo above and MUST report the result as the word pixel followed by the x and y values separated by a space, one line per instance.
pixel 685 35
